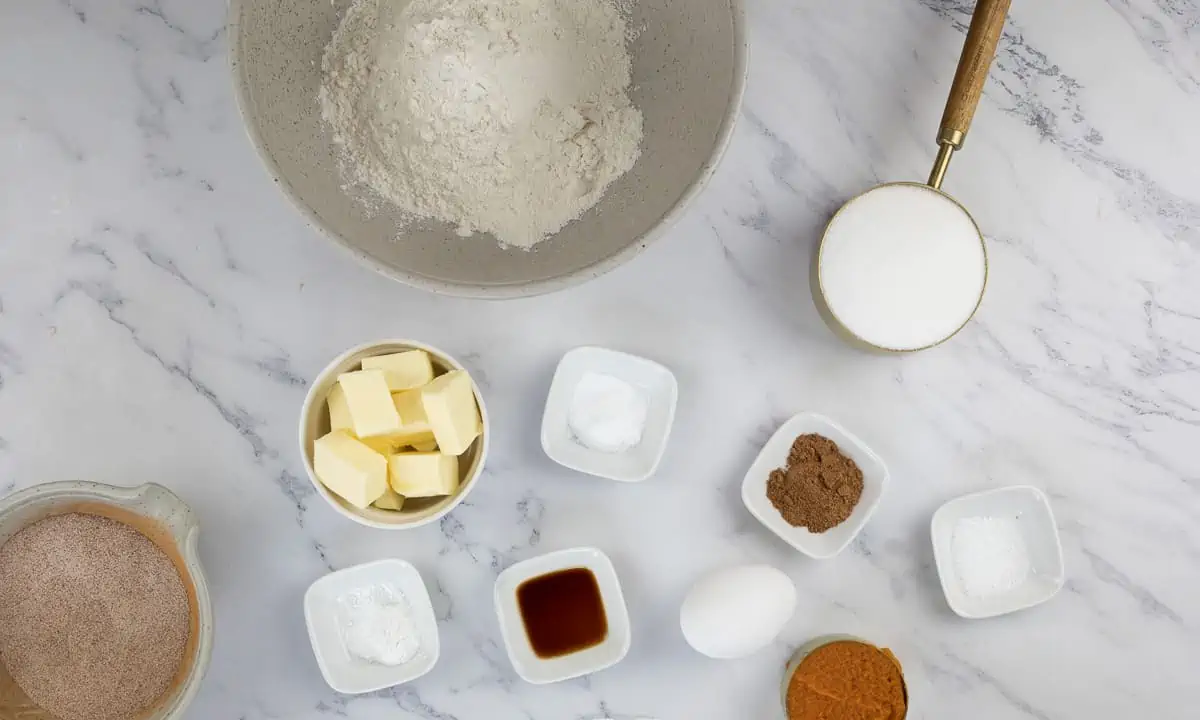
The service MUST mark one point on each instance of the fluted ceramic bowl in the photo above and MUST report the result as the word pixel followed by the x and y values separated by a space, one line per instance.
pixel 161 516
pixel 689 70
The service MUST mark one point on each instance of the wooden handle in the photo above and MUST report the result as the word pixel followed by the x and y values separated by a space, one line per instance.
pixel 978 51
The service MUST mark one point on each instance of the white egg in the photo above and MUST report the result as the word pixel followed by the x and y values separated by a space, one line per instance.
pixel 734 612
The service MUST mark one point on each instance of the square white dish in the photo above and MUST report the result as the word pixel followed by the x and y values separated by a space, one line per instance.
pixel 1031 509
pixel 662 394
pixel 525 661
pixel 775 455
pixel 346 673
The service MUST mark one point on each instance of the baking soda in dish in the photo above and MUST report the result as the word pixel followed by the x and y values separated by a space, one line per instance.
pixel 377 625
pixel 607 414
pixel 902 267
pixel 509 117
pixel 989 554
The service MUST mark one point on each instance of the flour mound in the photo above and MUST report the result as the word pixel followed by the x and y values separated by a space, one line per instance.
pixel 509 117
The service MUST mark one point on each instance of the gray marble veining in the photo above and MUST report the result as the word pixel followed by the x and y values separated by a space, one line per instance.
pixel 162 309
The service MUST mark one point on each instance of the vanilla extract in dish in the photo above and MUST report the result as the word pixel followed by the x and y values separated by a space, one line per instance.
pixel 563 612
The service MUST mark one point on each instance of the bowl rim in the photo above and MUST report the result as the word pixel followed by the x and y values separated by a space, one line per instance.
pixel 510 290
pixel 311 403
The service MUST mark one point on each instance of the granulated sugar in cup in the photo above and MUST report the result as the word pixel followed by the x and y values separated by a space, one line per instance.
pixel 903 266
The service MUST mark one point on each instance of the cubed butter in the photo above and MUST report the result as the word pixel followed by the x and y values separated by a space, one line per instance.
pixel 339 411
pixel 414 425
pixel 403 370
pixel 350 469
pixel 383 444
pixel 370 402
pixel 390 500
pixel 413 428
pixel 428 446
pixel 449 403
pixel 423 474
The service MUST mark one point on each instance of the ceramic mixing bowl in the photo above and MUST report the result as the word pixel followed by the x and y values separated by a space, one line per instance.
pixel 161 516
pixel 689 65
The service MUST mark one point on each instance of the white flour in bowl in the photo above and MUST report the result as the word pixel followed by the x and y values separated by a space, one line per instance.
pixel 509 117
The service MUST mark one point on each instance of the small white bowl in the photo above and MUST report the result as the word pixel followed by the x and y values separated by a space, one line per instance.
pixel 1031 508
pixel 314 422
pixel 344 672
pixel 775 455
pixel 635 464
pixel 541 671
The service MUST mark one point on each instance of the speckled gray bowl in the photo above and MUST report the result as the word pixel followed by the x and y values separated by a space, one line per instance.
pixel 160 515
pixel 689 67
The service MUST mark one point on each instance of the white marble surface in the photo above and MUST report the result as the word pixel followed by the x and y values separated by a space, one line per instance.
pixel 162 307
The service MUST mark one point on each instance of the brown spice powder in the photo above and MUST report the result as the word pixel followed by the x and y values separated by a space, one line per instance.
pixel 847 680
pixel 819 487
pixel 94 617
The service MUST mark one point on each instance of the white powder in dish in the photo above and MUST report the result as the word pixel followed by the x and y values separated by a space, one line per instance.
pixel 989 554
pixel 509 117
pixel 377 625
pixel 607 413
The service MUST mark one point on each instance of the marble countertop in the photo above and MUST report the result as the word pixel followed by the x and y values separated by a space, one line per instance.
pixel 162 309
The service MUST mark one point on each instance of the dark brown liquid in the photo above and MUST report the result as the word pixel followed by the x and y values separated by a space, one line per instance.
pixel 562 612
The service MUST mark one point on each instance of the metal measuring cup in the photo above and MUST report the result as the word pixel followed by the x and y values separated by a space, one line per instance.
pixel 916 284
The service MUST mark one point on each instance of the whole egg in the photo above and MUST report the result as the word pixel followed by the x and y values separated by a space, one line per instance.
pixel 737 611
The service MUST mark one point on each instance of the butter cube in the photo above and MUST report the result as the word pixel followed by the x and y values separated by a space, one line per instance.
pixel 390 500
pixel 339 411
pixel 383 444
pixel 428 446
pixel 423 474
pixel 350 469
pixel 404 370
pixel 414 424
pixel 371 408
pixel 449 403
pixel 413 427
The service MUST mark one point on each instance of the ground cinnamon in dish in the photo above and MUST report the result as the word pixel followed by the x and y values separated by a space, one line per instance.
pixel 819 487
pixel 94 617
pixel 847 680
